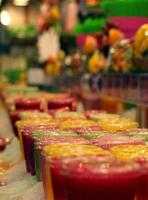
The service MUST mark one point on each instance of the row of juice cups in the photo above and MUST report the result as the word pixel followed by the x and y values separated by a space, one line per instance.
pixel 47 181
pixel 46 106
pixel 52 133
pixel 47 187
pixel 92 175
pixel 86 192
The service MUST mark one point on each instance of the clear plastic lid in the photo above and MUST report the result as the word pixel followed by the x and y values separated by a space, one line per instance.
pixel 101 167
pixel 34 115
pixel 70 114
pixel 73 150
pixel 53 132
pixel 129 152
pixel 93 134
pixel 118 124
pixel 59 140
pixel 33 122
pixel 109 140
pixel 75 123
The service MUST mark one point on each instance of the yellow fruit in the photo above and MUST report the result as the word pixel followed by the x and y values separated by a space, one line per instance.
pixel 96 63
pixel 54 13
pixel 141 40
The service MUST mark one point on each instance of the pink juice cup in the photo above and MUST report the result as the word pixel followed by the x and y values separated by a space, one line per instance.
pixel 53 158
pixel 90 114
pixel 101 178
pixel 143 191
pixel 108 141
pixel 83 130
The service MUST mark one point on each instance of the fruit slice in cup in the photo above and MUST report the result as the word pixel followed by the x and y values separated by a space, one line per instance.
pixel 118 124
pixel 130 152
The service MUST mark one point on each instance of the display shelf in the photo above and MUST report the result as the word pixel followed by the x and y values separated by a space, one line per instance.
pixel 132 87
pixel 117 93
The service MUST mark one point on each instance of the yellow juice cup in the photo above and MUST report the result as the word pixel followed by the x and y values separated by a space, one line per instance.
pixel 36 115
pixel 118 124
pixel 73 123
pixel 130 152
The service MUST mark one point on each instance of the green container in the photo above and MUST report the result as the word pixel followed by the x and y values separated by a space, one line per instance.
pixel 129 8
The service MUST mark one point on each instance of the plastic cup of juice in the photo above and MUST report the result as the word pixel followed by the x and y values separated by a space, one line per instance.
pixel 29 115
pixel 76 123
pixel 99 116
pixel 60 103
pixel 27 104
pixel 70 114
pixel 45 136
pixel 28 142
pixel 108 141
pixel 105 179
pixel 129 152
pixel 21 124
pixel 90 135
pixel 50 140
pixel 14 117
pixel 83 130
pixel 137 132
pixel 118 124
pixel 93 114
pixel 143 190
pixel 53 156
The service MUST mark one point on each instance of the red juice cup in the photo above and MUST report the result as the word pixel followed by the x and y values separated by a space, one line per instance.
pixel 14 117
pixel 21 124
pixel 28 142
pixel 101 178
pixel 138 153
pixel 27 104
pixel 60 103
pixel 44 138
pixel 51 140
pixel 54 156
pixel 143 190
